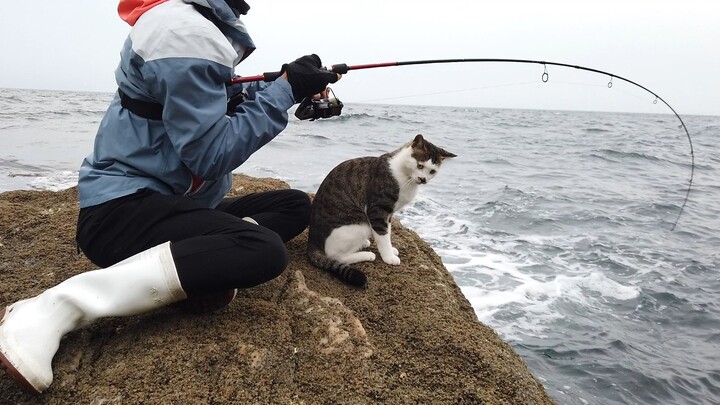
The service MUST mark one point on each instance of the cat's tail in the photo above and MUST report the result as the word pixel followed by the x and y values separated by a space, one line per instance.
pixel 344 272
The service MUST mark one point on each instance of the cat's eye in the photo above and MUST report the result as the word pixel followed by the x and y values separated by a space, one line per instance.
pixel 432 171
pixel 420 166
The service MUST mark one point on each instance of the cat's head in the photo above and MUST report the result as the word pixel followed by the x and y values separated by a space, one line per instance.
pixel 423 160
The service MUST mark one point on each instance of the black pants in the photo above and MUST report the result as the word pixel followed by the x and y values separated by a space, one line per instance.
pixel 213 249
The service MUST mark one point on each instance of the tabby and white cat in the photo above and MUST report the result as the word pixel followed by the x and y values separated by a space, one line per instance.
pixel 357 200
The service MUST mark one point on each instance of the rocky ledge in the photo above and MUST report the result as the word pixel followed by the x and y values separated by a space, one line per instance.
pixel 411 337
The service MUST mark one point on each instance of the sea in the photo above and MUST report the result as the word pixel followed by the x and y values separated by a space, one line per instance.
pixel 562 228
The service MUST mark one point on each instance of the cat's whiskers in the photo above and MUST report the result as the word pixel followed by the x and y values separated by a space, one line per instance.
pixel 407 183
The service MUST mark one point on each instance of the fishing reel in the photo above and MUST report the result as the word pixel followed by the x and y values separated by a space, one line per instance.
pixel 312 109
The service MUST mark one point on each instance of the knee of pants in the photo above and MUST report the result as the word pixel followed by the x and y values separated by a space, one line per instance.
pixel 273 254
pixel 217 262
pixel 303 205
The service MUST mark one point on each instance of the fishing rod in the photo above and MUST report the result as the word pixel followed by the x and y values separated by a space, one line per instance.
pixel 326 108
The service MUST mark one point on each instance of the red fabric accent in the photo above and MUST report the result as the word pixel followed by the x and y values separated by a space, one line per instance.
pixel 131 10
pixel 197 182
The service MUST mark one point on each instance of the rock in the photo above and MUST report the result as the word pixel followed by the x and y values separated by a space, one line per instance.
pixel 303 338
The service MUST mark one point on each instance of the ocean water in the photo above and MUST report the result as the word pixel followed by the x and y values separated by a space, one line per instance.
pixel 556 225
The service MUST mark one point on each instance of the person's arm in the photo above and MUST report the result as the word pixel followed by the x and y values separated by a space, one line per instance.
pixel 210 143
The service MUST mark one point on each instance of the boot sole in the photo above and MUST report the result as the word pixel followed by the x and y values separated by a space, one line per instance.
pixel 13 372
pixel 201 304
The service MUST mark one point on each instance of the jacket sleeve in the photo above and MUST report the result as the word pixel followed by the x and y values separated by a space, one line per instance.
pixel 208 142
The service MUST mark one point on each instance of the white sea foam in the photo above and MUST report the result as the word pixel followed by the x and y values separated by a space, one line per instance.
pixel 530 300
pixel 54 181
pixel 513 288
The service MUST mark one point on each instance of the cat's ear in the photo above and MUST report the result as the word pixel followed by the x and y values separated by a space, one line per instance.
pixel 445 154
pixel 418 142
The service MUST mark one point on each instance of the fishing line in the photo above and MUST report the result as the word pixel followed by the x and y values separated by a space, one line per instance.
pixel 490 87
pixel 545 77
pixel 465 90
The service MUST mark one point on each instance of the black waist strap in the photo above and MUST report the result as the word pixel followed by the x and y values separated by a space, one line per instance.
pixel 145 109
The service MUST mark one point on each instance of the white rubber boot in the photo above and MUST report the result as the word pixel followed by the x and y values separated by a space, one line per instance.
pixel 31 329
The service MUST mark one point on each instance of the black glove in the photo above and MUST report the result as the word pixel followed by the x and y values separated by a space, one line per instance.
pixel 307 77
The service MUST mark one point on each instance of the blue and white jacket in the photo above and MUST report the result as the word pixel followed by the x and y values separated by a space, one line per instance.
pixel 177 57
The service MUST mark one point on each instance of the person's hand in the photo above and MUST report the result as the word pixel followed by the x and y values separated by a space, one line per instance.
pixel 307 77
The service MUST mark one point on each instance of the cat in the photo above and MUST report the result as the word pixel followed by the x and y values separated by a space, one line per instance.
pixel 357 200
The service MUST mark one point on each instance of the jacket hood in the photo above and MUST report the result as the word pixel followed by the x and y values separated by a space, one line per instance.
pixel 131 10
pixel 217 10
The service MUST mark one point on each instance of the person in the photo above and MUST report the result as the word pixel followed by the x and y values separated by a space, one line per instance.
pixel 153 212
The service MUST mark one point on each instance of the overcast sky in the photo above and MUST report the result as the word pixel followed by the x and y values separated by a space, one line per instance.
pixel 670 47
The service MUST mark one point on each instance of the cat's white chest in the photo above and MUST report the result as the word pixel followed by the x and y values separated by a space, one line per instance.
pixel 407 194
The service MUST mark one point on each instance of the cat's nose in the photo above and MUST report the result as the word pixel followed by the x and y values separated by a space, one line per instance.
pixel 422 180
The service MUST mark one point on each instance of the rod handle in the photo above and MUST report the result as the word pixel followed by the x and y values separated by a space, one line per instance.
pixel 271 76
pixel 340 68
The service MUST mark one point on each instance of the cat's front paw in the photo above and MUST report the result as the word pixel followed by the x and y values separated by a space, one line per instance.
pixel 391 259
pixel 395 251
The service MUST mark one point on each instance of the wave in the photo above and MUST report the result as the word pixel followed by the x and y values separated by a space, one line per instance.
pixel 634 155
pixel 616 156
pixel 352 116
pixel 657 384
pixel 14 165
pixel 55 181
pixel 11 98
pixel 15 174
pixel 496 161
pixel 312 137
pixel 596 130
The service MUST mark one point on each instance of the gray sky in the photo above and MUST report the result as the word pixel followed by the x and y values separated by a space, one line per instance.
pixel 670 47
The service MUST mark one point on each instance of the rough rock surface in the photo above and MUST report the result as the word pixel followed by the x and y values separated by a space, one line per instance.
pixel 411 337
